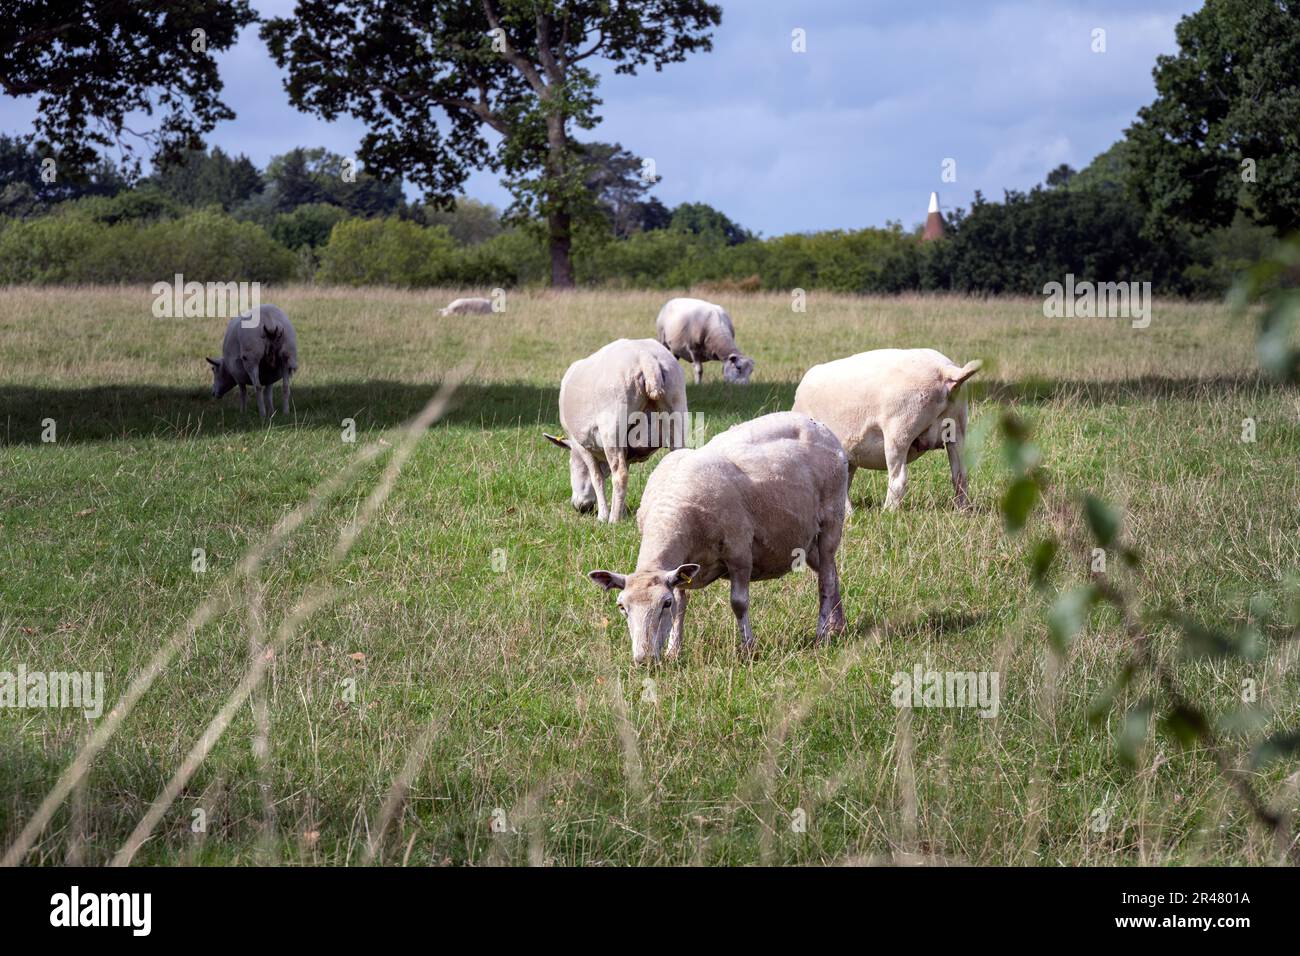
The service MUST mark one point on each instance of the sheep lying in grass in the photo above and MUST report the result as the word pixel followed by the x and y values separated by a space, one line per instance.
pixel 889 406
pixel 700 332
pixel 468 307
pixel 762 499
pixel 619 405
pixel 260 348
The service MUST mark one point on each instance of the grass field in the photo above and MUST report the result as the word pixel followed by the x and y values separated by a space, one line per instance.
pixel 454 674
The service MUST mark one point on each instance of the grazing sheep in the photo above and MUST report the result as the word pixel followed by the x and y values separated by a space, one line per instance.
pixel 700 332
pixel 468 307
pixel 889 406
pixel 618 406
pixel 260 353
pixel 762 499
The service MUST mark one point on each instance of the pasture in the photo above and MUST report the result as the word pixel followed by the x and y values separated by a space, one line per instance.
pixel 456 691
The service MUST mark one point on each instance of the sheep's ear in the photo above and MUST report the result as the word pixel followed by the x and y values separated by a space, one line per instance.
pixel 683 575
pixel 215 363
pixel 734 358
pixel 608 580
pixel 556 441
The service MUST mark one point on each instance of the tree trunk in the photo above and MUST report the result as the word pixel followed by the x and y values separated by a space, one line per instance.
pixel 561 241
pixel 559 220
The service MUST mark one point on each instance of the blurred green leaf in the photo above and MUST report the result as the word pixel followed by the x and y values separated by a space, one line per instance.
pixel 1130 557
pixel 1277 747
pixel 1040 561
pixel 1185 724
pixel 1069 614
pixel 1102 519
pixel 1200 641
pixel 1243 722
pixel 977 437
pixel 1018 501
pixel 1133 732
pixel 1103 703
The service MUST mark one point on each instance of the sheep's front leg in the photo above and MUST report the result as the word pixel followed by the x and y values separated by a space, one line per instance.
pixel 284 392
pixel 896 464
pixel 957 466
pixel 699 368
pixel 830 614
pixel 255 377
pixel 243 399
pixel 268 401
pixel 679 622
pixel 740 608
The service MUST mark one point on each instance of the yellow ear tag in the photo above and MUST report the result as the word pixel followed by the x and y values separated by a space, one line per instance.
pixel 686 579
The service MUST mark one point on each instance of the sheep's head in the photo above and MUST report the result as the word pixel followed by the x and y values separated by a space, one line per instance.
pixel 583 498
pixel 222 381
pixel 646 599
pixel 737 368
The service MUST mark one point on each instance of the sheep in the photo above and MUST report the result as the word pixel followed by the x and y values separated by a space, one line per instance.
pixel 700 332
pixel 887 407
pixel 260 348
pixel 761 499
pixel 468 307
pixel 618 406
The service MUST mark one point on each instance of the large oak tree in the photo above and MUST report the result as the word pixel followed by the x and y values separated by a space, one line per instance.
pixel 430 79
pixel 93 63
pixel 1224 130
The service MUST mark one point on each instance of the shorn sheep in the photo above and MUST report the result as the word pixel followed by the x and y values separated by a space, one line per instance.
pixel 889 406
pixel 618 406
pixel 260 348
pixel 700 332
pixel 760 500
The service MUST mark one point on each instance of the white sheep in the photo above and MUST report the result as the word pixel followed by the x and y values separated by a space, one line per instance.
pixel 618 406
pixel 260 348
pixel 468 307
pixel 887 407
pixel 700 332
pixel 760 500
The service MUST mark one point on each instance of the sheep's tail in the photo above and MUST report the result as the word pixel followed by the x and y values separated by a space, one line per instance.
pixel 954 376
pixel 653 376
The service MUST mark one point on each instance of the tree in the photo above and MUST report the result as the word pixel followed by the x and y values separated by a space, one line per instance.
pixel 514 69
pixel 1060 176
pixel 29 192
pixel 1221 133
pixel 94 62
pixel 702 219
pixel 617 181
pixel 302 177
pixel 201 178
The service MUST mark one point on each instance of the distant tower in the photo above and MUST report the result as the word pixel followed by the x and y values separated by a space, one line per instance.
pixel 933 221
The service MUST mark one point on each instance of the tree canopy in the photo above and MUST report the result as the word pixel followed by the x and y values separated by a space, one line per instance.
pixel 448 86
pixel 92 63
pixel 1222 132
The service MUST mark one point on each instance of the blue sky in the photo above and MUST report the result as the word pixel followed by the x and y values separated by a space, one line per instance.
pixel 851 133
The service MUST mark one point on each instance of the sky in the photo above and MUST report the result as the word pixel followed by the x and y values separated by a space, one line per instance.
pixel 853 132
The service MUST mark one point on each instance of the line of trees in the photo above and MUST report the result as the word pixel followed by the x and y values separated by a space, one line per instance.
pixel 1203 180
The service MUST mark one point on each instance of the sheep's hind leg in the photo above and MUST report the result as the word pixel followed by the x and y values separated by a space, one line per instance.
pixel 617 459
pixel 830 612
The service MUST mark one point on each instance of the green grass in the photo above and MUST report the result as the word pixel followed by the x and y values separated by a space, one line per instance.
pixel 525 675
